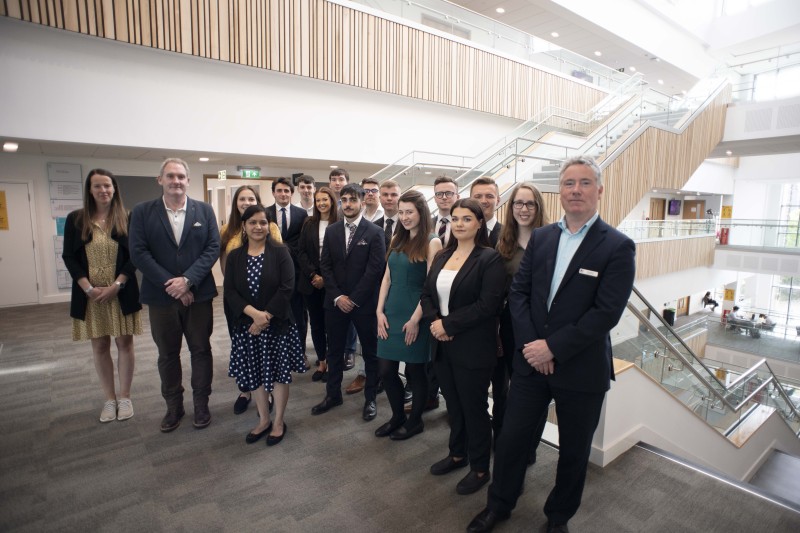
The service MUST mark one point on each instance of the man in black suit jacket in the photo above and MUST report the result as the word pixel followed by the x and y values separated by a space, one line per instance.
pixel 487 193
pixel 289 219
pixel 390 194
pixel 352 264
pixel 570 291
pixel 174 242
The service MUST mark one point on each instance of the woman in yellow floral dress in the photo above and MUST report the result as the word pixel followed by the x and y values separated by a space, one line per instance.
pixel 105 293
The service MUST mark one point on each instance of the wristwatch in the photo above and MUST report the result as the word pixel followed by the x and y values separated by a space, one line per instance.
pixel 119 284
pixel 187 281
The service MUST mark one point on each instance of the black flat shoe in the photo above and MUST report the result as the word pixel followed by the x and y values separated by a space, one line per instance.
pixel 317 376
pixel 447 465
pixel 255 437
pixel 403 432
pixel 472 482
pixel 485 521
pixel 240 405
pixel 386 429
pixel 272 440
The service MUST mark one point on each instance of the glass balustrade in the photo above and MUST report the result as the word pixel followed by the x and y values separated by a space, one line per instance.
pixel 647 230
pixel 721 395
pixel 759 233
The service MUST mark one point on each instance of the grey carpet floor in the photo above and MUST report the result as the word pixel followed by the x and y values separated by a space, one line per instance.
pixel 61 470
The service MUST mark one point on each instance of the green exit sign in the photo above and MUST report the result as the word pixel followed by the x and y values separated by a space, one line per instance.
pixel 251 173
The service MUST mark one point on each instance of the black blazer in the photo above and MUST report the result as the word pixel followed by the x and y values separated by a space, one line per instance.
pixel 476 299
pixel 297 215
pixel 308 256
pixel 159 258
pixel 74 256
pixel 387 239
pixel 357 274
pixel 274 291
pixel 494 235
pixel 587 305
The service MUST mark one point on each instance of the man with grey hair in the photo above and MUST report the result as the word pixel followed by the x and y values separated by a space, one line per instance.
pixel 174 242
pixel 570 290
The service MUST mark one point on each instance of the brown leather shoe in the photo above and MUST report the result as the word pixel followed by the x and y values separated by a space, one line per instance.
pixel 357 385
pixel 433 403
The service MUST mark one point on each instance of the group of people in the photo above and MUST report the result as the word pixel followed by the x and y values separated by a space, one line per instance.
pixel 463 301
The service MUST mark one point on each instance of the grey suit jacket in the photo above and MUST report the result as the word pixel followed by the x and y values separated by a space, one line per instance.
pixel 159 257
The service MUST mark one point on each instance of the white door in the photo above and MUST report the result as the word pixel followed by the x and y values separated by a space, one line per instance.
pixel 17 260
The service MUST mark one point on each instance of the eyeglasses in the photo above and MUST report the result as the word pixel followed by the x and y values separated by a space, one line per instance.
pixel 370 191
pixel 444 194
pixel 519 204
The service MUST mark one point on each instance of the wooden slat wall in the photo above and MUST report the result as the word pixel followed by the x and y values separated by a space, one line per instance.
pixel 654 258
pixel 661 159
pixel 321 40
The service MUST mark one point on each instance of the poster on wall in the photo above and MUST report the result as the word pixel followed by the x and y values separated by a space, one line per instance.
pixel 70 172
pixel 63 279
pixel 3 211
pixel 727 211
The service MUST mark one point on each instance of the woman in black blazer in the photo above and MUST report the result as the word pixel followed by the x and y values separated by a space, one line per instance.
pixel 105 294
pixel 462 298
pixel 310 284
pixel 265 347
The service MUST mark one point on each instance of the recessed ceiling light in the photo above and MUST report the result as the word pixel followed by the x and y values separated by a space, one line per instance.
pixel 598 53
pixel 632 69
pixel 500 10
pixel 427 172
pixel 728 152
pixel 554 34
pixel 334 166
pixel 661 82
pixel 203 159
pixel 683 91
pixel 658 60
pixel 10 147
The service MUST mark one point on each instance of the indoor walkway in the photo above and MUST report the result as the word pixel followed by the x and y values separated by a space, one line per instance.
pixel 61 470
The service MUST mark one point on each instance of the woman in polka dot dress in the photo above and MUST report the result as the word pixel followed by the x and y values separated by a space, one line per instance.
pixel 265 348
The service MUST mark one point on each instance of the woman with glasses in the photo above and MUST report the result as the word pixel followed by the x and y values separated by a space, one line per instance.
pixel 524 213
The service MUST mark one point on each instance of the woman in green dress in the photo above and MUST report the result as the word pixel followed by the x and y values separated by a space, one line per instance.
pixel 400 339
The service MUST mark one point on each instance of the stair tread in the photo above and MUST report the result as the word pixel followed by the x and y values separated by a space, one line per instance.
pixel 780 475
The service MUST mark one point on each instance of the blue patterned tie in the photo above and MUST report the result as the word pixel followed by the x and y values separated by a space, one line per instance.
pixel 352 229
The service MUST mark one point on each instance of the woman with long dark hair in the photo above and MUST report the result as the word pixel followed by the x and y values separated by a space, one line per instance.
pixel 105 293
pixel 231 235
pixel 400 338
pixel 525 212
pixel 311 285
pixel 462 298
pixel 265 348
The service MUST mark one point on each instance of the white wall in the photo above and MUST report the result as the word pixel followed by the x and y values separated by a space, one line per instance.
pixel 712 177
pixel 71 87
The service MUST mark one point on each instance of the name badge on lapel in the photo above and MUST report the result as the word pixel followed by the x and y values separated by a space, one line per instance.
pixel 590 273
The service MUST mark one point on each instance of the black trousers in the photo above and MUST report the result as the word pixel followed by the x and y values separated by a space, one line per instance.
pixel 316 318
pixel 366 324
pixel 578 415
pixel 466 392
pixel 168 325
pixel 300 317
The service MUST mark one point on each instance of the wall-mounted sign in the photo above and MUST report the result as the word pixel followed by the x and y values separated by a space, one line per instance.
pixel 222 175
pixel 727 211
pixel 251 173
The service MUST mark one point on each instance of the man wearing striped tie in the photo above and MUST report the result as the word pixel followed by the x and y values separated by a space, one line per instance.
pixel 445 192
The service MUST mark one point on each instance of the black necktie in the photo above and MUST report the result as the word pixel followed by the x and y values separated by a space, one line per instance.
pixel 283 224
pixel 442 230
pixel 388 228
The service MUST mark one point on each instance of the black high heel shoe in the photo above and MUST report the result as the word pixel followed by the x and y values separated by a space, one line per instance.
pixel 255 437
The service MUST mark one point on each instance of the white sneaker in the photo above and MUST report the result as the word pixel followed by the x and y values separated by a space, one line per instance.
pixel 124 409
pixel 109 411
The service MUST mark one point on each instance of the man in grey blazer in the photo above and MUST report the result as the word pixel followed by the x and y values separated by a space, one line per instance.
pixel 174 242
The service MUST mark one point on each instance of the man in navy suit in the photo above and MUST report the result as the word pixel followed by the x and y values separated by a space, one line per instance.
pixel 571 288
pixel 174 242
pixel 289 219
pixel 486 191
pixel 352 265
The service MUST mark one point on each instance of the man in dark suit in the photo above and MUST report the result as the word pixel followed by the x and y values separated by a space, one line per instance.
pixel 352 264
pixel 174 242
pixel 390 194
pixel 486 191
pixel 289 219
pixel 570 291
pixel 445 194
